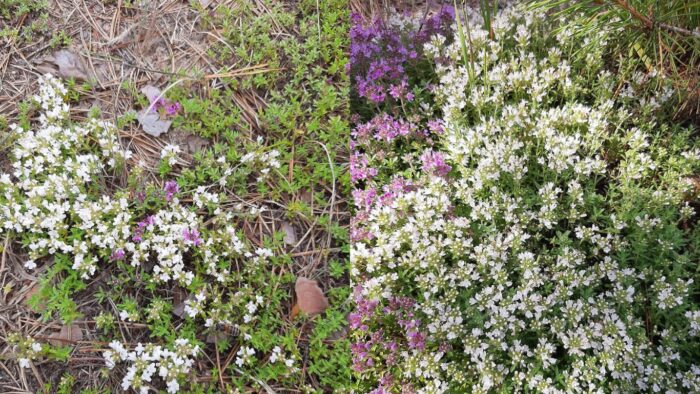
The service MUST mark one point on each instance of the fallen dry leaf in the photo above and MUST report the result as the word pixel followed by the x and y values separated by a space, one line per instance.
pixel 150 120
pixel 68 335
pixel 179 308
pixel 310 298
pixel 290 235
pixel 179 295
pixel 306 196
pixel 188 142
pixel 40 307
pixel 152 123
pixel 195 143
pixel 151 92
pixel 69 65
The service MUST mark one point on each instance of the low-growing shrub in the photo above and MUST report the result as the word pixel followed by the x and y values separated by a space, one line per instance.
pixel 139 250
pixel 179 267
pixel 531 229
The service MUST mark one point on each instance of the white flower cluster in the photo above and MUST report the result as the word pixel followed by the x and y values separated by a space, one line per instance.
pixel 278 356
pixel 244 355
pixel 125 315
pixel 694 319
pixel 25 348
pixel 170 154
pixel 552 262
pixel 168 235
pixel 54 201
pixel 145 361
pixel 202 198
pixel 47 198
pixel 262 159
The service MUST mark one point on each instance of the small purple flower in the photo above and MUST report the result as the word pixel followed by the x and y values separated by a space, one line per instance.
pixel 171 188
pixel 400 91
pixel 360 169
pixel 416 339
pixel 356 226
pixel 359 234
pixel 117 255
pixel 434 162
pixel 141 226
pixel 360 356
pixel 386 380
pixel 157 103
pixel 355 320
pixel 191 236
pixel 436 126
pixel 364 198
pixel 172 108
pixel 149 221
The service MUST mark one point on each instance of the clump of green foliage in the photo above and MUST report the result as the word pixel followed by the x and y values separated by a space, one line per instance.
pixel 652 36
pixel 302 90
pixel 304 116
pixel 13 18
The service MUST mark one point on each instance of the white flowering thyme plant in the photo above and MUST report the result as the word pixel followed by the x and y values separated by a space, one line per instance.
pixel 47 198
pixel 147 361
pixel 173 261
pixel 136 263
pixel 530 225
pixel 25 349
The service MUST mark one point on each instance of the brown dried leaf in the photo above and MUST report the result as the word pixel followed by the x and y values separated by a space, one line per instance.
pixel 179 308
pixel 152 123
pixel 69 65
pixel 32 291
pixel 306 196
pixel 310 298
pixel 290 235
pixel 47 68
pixel 68 335
pixel 188 142
pixel 179 295
pixel 151 92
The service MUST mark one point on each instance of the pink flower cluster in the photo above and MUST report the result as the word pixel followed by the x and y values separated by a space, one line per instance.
pixel 141 227
pixel 191 237
pixel 434 163
pixel 171 108
pixel 380 53
pixel 380 60
pixel 171 189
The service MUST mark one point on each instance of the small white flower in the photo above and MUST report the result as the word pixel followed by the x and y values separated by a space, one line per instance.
pixel 123 315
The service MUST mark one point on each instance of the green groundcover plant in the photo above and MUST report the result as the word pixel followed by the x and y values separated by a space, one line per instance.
pixel 183 292
pixel 527 221
pixel 54 204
